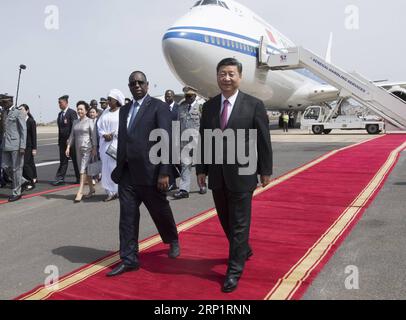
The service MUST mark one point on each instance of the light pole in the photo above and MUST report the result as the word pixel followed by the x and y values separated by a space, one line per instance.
pixel 22 67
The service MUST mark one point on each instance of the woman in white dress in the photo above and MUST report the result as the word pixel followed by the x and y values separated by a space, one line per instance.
pixel 107 126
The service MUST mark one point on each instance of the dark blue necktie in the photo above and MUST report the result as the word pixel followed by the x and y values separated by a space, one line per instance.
pixel 133 115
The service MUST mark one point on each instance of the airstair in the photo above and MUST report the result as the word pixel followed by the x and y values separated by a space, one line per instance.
pixel 350 85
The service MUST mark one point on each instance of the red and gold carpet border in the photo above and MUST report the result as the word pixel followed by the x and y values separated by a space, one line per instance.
pixel 288 285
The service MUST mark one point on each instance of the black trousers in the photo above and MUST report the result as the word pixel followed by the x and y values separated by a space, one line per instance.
pixel 29 169
pixel 234 212
pixel 64 161
pixel 131 196
pixel 174 175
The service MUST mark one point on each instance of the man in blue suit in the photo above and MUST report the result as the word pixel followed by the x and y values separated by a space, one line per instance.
pixel 139 180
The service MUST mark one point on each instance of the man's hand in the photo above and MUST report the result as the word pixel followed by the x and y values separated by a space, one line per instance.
pixel 67 152
pixel 108 137
pixel 34 152
pixel 265 180
pixel 22 151
pixel 163 183
pixel 201 180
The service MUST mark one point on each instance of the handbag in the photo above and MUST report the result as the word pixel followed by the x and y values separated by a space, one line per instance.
pixel 94 167
pixel 112 151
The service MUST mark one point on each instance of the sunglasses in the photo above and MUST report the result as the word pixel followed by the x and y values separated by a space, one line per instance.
pixel 135 82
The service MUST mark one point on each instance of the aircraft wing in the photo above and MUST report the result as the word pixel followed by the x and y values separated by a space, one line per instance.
pixel 323 93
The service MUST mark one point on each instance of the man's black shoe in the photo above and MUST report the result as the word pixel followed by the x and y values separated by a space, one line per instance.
pixel 58 183
pixel 174 250
pixel 31 186
pixel 121 268
pixel 14 198
pixel 181 194
pixel 230 284
pixel 24 186
pixel 172 187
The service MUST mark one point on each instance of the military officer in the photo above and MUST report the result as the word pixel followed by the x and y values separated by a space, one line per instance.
pixel 189 114
pixel 13 145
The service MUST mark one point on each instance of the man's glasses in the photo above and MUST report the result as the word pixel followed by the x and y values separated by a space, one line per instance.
pixel 135 82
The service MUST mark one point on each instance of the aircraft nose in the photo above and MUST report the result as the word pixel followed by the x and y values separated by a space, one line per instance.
pixel 180 52
pixel 188 60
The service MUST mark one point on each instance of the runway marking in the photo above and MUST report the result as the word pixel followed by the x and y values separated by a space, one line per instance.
pixel 28 196
pixel 286 286
pixel 44 164
pixel 47 139
pixel 80 275
pixel 46 145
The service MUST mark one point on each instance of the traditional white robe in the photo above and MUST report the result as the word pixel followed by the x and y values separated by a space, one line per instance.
pixel 108 123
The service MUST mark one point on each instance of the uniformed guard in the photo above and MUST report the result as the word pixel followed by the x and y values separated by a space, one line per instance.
pixel 13 145
pixel 189 114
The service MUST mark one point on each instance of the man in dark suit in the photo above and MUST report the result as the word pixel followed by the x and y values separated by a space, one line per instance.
pixel 173 106
pixel 29 169
pixel 65 123
pixel 139 179
pixel 174 109
pixel 232 184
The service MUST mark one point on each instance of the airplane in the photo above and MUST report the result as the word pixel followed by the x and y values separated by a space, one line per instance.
pixel 216 29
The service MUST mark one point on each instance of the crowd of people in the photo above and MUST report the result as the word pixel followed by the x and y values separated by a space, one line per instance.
pixel 88 136
pixel 118 138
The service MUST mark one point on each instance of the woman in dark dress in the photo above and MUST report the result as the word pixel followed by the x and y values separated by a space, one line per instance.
pixel 29 169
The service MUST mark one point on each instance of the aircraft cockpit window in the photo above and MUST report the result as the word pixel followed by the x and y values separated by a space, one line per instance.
pixel 197 3
pixel 223 4
pixel 206 2
pixel 211 2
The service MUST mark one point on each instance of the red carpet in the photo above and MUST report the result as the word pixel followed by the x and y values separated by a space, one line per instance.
pixel 297 224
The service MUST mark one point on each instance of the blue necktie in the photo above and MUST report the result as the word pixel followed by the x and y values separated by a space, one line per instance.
pixel 133 115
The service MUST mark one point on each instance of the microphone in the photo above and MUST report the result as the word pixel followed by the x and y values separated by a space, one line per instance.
pixel 22 66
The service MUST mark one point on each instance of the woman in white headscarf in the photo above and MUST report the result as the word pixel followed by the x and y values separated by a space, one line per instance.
pixel 108 132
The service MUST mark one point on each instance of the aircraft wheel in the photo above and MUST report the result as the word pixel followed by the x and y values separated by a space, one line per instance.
pixel 318 129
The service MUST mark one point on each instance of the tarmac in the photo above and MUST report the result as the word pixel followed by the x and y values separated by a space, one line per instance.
pixel 50 230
